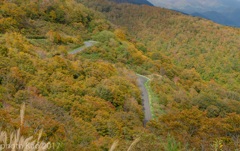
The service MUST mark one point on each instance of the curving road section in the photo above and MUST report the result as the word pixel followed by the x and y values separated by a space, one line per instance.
pixel 86 45
pixel 141 83
pixel 145 98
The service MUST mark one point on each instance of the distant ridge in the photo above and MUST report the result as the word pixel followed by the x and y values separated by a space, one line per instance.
pixel 225 12
pixel 138 2
pixel 229 19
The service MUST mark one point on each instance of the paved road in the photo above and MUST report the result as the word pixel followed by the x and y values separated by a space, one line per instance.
pixel 145 99
pixel 86 45
pixel 141 81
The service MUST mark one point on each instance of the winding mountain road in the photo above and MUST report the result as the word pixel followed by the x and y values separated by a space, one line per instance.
pixel 141 83
pixel 145 98
pixel 86 45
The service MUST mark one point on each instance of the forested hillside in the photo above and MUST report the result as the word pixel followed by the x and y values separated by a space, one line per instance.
pixel 198 65
pixel 88 100
pixel 81 104
pixel 139 2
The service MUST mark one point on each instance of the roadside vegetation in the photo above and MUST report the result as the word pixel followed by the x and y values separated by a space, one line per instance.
pixel 88 100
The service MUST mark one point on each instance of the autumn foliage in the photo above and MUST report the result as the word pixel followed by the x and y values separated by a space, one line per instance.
pixel 88 100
